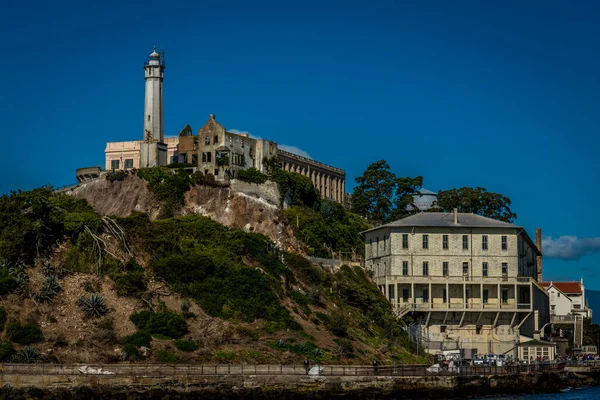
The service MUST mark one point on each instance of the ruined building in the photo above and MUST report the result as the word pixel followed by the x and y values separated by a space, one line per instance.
pixel 212 150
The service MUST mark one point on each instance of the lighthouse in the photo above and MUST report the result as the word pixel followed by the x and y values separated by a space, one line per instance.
pixel 153 150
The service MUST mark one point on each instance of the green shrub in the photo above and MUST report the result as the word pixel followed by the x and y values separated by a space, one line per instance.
pixel 138 339
pixel 7 282
pixel 168 324
pixel 344 348
pixel 186 345
pixel 26 333
pixel 130 280
pixel 251 175
pixel 6 351
pixel 2 318
pixel 140 318
pixel 323 317
pixel 338 324
pixel 130 351
pixel 26 355
pixel 118 175
pixel 167 186
pixel 167 357
pixel 298 188
pixel 225 356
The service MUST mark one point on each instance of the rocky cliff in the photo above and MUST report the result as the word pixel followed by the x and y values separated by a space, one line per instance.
pixel 250 207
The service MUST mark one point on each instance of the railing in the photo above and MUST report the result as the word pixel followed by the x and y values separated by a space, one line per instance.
pixel 160 370
pixel 561 318
pixel 459 306
pixel 441 279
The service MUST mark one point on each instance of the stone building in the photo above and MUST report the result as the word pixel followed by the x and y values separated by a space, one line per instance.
pixel 471 281
pixel 213 149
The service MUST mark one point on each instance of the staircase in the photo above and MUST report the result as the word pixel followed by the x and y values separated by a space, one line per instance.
pixel 403 310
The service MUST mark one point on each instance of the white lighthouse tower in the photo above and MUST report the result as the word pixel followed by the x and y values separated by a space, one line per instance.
pixel 153 151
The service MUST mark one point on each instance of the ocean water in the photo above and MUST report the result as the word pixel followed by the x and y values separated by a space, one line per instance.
pixel 592 393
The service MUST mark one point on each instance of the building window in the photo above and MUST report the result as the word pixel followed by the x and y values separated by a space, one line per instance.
pixel 484 269
pixel 216 171
pixel 504 242
pixel 504 296
pixel 377 246
pixel 553 309
pixel 209 156
pixel 445 242
pixel 466 242
pixel 425 241
pixel 484 242
pixel 442 328
pixel 203 157
pixel 194 159
pixel 445 268
pixel 425 268
pixel 183 157
pixel 405 295
pixel 478 329
pixel 405 240
pixel 444 294
pixel 504 269
pixel 128 163
pixel 557 294
pixel 216 139
pixel 174 159
pixel 114 164
pixel 207 140
pixel 384 243
pixel 405 268
pixel 391 293
pixel 465 268
pixel 425 295
pixel 577 306
pixel 486 295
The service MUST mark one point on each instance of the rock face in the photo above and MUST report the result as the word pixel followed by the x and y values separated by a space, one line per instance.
pixel 249 207
pixel 119 198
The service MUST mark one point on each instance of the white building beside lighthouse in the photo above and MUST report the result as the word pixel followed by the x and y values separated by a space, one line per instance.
pixel 153 150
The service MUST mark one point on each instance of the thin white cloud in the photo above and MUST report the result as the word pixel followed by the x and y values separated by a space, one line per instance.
pixel 569 247
pixel 295 150
pixel 241 132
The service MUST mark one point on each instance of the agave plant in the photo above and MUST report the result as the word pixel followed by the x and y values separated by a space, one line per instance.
pixel 49 290
pixel 93 305
pixel 317 352
pixel 21 278
pixel 26 355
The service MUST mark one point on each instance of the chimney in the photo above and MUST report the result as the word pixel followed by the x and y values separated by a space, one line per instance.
pixel 536 325
pixel 538 259
pixel 455 211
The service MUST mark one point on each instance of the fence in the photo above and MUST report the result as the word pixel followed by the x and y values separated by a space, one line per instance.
pixel 156 370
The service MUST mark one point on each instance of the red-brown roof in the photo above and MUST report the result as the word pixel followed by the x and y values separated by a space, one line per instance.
pixel 565 287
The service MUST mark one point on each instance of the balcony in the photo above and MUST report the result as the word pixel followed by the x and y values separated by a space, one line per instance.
pixel 436 279
pixel 459 307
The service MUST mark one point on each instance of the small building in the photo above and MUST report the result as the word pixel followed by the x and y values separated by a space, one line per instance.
pixel 537 350
pixel 567 298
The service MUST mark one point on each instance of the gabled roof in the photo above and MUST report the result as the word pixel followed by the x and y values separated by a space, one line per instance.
pixel 446 220
pixel 538 343
pixel 565 287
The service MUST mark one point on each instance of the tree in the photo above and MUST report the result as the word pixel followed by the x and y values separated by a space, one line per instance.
pixel 477 201
pixel 380 196
pixel 406 188
pixel 372 197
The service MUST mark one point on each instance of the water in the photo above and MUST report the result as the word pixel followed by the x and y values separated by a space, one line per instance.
pixel 592 393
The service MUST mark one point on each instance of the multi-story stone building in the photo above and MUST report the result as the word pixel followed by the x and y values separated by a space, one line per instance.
pixel 470 280
pixel 213 149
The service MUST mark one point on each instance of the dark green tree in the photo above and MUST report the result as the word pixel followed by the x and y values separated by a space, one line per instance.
pixel 381 197
pixel 406 188
pixel 372 197
pixel 477 201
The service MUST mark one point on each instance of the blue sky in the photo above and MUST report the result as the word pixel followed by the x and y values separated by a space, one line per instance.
pixel 503 95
